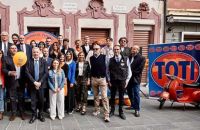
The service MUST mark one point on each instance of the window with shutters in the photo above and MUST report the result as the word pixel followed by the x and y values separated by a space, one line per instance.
pixel 95 34
pixel 142 36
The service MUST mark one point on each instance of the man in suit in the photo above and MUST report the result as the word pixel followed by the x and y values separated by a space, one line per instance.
pixel 66 48
pixel 37 72
pixel 13 76
pixel 126 51
pixel 86 47
pixel 137 63
pixel 4 44
pixel 46 87
pixel 119 71
pixel 22 46
pixel 60 41
pixel 15 38
pixel 48 42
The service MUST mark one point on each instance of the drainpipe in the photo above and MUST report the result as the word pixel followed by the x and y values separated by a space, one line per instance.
pixel 165 20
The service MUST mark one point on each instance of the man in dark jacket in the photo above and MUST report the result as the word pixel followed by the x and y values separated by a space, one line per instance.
pixel 118 70
pixel 12 82
pixel 37 72
pixel 137 62
pixel 4 44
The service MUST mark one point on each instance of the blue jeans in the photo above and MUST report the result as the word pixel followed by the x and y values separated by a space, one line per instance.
pixel 1 99
pixel 136 96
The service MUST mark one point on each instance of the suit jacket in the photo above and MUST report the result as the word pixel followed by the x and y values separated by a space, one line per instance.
pixel 72 50
pixel 9 44
pixel 86 71
pixel 126 52
pixel 137 67
pixel 84 50
pixel 28 50
pixel 42 74
pixel 8 65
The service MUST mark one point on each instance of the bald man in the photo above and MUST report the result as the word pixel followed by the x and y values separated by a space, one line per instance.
pixel 137 62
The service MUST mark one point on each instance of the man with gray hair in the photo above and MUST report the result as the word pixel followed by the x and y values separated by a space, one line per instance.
pixel 4 44
pixel 99 68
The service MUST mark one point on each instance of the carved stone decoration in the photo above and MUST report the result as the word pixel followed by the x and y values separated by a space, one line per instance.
pixel 43 7
pixel 96 7
pixel 5 17
pixel 47 10
pixel 143 10
pixel 96 10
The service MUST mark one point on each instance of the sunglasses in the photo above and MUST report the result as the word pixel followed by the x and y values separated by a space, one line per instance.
pixel 96 49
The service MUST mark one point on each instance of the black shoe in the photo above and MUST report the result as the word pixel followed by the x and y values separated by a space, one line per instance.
pixel 23 117
pixel 12 117
pixel 111 113
pixel 137 114
pixel 32 120
pixel 41 118
pixel 122 116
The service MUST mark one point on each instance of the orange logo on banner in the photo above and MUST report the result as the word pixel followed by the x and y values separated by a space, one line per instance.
pixel 39 36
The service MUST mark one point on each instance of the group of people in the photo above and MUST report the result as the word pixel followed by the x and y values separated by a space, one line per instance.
pixel 58 77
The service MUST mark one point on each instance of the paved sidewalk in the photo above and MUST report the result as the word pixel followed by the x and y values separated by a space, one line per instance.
pixel 151 119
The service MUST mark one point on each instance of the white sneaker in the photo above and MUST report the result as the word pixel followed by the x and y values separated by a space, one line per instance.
pixel 107 119
pixel 60 118
pixel 52 118
pixel 95 113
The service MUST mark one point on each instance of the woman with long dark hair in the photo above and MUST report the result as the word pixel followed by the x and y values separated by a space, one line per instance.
pixel 70 102
pixel 55 52
pixel 56 81
pixel 82 82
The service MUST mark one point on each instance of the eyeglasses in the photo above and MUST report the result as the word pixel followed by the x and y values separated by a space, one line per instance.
pixel 95 48
pixel 116 49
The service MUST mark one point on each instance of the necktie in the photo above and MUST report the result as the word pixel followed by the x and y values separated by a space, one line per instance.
pixel 21 47
pixel 36 70
pixel 5 49
pixel 117 59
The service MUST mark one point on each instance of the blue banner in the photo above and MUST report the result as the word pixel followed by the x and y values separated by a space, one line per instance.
pixel 179 59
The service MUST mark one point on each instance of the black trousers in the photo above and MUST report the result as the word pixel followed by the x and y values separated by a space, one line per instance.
pixel 117 85
pixel 70 99
pixel 16 93
pixel 81 91
pixel 46 95
pixel 37 101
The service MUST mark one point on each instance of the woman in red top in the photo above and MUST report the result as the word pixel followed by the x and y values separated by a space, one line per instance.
pixel 1 86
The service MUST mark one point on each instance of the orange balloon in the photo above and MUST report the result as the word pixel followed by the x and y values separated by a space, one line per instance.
pixel 127 102
pixel 116 101
pixel 20 59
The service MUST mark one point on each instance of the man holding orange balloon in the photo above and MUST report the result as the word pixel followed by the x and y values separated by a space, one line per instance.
pixel 13 75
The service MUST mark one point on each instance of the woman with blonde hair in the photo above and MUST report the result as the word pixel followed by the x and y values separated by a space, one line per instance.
pixel 56 81
pixel 82 83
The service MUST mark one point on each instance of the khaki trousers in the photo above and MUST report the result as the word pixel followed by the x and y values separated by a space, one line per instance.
pixel 100 84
